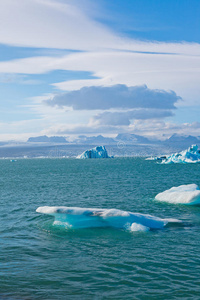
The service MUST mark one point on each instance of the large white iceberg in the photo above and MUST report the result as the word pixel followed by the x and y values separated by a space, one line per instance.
pixel 97 152
pixel 191 155
pixel 76 217
pixel 184 194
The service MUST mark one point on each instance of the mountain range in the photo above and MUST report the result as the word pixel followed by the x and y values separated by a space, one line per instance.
pixel 126 138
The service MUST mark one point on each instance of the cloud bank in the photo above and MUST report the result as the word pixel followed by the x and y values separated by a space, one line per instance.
pixel 117 96
pixel 120 67
pixel 67 25
pixel 119 105
pixel 179 73
pixel 124 118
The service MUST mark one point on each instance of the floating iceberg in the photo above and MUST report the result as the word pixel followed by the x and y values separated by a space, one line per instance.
pixel 185 194
pixel 161 158
pixel 76 217
pixel 97 152
pixel 191 155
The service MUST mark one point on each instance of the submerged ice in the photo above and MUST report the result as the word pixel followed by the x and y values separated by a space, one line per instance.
pixel 76 217
pixel 97 152
pixel 184 194
pixel 191 155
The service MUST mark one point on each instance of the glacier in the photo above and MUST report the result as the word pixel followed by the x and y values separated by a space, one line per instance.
pixel 77 217
pixel 184 194
pixel 191 155
pixel 97 152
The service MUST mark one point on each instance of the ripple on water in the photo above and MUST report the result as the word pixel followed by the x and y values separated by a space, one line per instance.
pixel 41 261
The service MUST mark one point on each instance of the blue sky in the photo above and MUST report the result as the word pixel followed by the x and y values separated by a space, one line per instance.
pixel 170 20
pixel 116 66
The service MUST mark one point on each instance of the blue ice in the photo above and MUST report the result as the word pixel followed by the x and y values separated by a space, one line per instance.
pixel 97 152
pixel 191 155
pixel 76 217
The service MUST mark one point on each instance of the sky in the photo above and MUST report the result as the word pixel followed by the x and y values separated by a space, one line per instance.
pixel 74 67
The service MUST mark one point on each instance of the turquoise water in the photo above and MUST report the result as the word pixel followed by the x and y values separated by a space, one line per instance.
pixel 39 260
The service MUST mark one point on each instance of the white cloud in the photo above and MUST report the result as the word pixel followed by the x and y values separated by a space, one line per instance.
pixel 22 130
pixel 124 118
pixel 175 72
pixel 50 24
pixel 116 96
pixel 151 128
pixel 158 128
pixel 170 72
pixel 108 57
pixel 25 126
pixel 18 78
pixel 66 25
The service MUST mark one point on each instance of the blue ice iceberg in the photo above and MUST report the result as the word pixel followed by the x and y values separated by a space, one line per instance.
pixel 76 217
pixel 184 194
pixel 97 152
pixel 191 155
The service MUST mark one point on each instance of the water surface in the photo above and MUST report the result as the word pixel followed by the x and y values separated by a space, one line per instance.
pixel 41 261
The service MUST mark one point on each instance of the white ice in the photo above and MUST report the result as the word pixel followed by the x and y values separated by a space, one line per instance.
pixel 184 194
pixel 138 227
pixel 76 217
pixel 191 155
pixel 97 152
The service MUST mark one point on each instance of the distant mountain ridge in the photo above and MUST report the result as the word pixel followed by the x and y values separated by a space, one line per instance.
pixel 132 138
pixel 46 139
pixel 183 138
pixel 124 144
pixel 97 140
pixel 126 138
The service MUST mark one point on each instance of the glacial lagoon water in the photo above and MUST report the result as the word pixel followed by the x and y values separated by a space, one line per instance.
pixel 40 260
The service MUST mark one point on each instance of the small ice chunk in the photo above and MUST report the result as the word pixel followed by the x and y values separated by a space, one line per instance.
pixel 184 194
pixel 139 227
